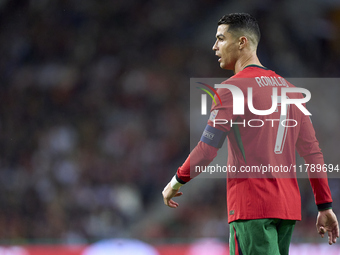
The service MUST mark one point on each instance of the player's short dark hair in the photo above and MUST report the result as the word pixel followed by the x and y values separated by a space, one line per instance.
pixel 242 22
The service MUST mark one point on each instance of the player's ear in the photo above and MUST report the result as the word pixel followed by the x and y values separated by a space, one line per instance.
pixel 242 42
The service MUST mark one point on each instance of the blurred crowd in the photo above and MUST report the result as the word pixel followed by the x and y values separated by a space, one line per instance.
pixel 94 111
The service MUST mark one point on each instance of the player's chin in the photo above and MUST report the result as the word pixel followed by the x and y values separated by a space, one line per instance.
pixel 224 66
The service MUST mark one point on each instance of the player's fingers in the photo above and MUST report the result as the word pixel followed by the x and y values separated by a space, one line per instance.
pixel 321 231
pixel 333 237
pixel 335 233
pixel 173 204
pixel 166 201
pixel 337 230
pixel 330 237
pixel 178 194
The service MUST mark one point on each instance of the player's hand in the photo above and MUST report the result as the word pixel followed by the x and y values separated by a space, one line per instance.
pixel 168 193
pixel 327 222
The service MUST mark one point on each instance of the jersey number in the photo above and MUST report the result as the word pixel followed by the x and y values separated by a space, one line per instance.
pixel 281 130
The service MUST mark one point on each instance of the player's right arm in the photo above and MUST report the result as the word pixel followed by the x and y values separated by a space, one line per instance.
pixel 206 150
pixel 201 155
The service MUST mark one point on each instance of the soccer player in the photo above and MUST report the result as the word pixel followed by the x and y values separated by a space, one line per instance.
pixel 261 211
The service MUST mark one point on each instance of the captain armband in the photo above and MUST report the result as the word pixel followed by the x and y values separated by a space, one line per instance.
pixel 213 136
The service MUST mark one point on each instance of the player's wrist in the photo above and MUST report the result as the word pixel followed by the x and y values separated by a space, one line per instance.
pixel 324 206
pixel 175 184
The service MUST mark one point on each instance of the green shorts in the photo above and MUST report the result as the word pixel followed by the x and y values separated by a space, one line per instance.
pixel 260 237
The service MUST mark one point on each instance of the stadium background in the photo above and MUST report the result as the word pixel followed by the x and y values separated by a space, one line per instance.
pixel 94 113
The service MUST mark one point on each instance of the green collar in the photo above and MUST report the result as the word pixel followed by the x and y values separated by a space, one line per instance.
pixel 265 68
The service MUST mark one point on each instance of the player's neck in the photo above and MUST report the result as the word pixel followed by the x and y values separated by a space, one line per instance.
pixel 242 62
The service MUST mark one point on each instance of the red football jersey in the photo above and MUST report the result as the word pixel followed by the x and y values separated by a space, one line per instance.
pixel 259 141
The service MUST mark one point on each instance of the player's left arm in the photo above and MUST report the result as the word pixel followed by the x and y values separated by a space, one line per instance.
pixel 308 147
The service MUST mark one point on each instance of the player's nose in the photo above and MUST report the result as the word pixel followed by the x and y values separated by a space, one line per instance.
pixel 215 48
